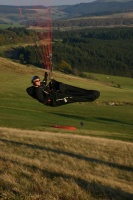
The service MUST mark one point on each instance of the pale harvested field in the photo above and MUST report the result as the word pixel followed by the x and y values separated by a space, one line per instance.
pixel 119 15
pixel 63 166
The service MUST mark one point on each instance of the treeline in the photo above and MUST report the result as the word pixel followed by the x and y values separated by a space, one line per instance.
pixel 106 51
pixel 28 51
pixel 15 36
pixel 97 33
pixel 31 54
pixel 93 22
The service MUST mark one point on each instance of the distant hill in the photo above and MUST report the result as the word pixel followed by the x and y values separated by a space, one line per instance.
pixel 99 7
pixel 14 14
pixel 96 8
pixel 100 13
pixel 114 1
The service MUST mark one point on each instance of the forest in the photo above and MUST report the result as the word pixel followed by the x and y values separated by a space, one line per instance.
pixel 93 22
pixel 101 50
pixel 107 51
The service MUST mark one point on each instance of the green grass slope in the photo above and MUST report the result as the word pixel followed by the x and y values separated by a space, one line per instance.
pixel 110 116
pixel 38 162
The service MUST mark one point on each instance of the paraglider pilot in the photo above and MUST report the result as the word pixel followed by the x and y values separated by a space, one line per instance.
pixel 57 93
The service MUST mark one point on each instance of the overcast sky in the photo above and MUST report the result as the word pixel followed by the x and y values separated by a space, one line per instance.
pixel 43 2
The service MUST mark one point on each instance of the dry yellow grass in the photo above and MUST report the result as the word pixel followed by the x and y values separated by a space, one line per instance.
pixel 62 166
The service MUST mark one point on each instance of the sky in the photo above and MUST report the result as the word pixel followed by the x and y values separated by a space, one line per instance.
pixel 44 2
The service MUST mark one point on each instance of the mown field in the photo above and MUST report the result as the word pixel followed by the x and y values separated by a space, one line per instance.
pixel 40 162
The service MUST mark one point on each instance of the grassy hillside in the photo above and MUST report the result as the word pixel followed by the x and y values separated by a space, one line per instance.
pixel 110 116
pixel 45 166
pixel 43 163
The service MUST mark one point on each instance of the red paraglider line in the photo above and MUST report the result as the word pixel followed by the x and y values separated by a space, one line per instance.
pixel 43 22
pixel 37 49
pixel 35 35
pixel 42 50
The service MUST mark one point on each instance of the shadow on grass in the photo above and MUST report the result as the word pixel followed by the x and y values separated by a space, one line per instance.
pixel 70 116
pixel 96 189
pixel 107 120
pixel 70 154
pixel 93 119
